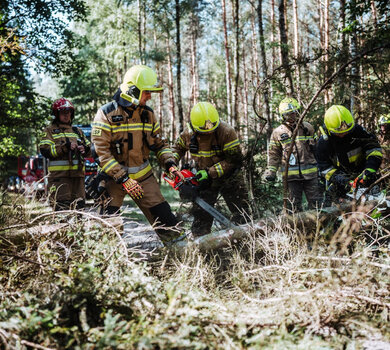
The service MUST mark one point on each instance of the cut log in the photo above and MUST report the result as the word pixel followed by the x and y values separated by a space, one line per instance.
pixel 308 221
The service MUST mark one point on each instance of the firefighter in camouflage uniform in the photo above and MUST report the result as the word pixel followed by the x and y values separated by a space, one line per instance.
pixel 216 155
pixel 348 156
pixel 302 176
pixel 65 146
pixel 124 132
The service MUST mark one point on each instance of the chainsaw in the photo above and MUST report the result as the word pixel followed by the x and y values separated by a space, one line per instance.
pixel 189 190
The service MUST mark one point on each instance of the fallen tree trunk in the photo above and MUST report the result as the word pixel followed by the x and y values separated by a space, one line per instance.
pixel 304 222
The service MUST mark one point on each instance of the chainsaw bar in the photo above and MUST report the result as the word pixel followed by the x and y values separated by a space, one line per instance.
pixel 213 212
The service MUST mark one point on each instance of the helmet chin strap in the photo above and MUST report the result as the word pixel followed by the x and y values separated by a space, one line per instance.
pixel 130 98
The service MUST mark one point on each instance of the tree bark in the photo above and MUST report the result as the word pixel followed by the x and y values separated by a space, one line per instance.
pixel 296 48
pixel 227 63
pixel 354 108
pixel 326 49
pixel 178 65
pixel 194 63
pixel 284 50
pixel 236 21
pixel 264 68
pixel 171 92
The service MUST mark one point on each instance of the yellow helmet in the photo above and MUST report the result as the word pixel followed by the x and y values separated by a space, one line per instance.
pixel 138 79
pixel 384 119
pixel 288 105
pixel 339 120
pixel 204 117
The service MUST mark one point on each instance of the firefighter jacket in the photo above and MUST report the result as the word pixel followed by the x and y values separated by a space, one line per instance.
pixel 350 154
pixel 123 138
pixel 384 140
pixel 302 162
pixel 218 152
pixel 55 145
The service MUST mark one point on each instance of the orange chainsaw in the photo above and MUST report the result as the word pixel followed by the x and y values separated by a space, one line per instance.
pixel 189 190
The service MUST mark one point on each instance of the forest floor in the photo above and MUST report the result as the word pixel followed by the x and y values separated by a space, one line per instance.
pixel 77 282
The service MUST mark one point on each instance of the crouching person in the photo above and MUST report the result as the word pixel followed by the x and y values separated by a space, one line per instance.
pixel 215 151
pixel 65 146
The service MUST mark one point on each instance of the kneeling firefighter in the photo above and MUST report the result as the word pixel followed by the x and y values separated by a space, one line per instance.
pixel 348 156
pixel 215 151
pixel 124 132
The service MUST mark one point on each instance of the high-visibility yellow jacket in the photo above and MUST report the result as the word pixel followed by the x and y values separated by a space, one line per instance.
pixel 55 145
pixel 302 162
pixel 218 152
pixel 123 138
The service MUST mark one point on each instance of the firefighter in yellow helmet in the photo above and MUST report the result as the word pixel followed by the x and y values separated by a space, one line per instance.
pixel 384 140
pixel 347 154
pixel 124 132
pixel 302 173
pixel 65 146
pixel 215 155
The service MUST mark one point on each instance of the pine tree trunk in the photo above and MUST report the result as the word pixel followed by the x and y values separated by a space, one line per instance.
pixel 245 94
pixel 171 92
pixel 344 52
pixel 178 65
pixel 273 26
pixel 296 48
pixel 236 16
pixel 227 64
pixel 284 49
pixel 354 67
pixel 194 63
pixel 326 48
pixel 139 18
pixel 264 68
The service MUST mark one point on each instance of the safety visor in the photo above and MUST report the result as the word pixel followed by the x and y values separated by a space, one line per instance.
pixel 65 109
pixel 288 115
pixel 208 126
pixel 153 88
pixel 343 129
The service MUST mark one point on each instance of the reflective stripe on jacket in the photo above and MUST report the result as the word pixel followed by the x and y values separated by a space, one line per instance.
pixel 302 163
pixel 350 154
pixel 55 145
pixel 218 152
pixel 123 139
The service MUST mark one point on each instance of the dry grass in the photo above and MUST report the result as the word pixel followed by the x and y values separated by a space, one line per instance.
pixel 77 286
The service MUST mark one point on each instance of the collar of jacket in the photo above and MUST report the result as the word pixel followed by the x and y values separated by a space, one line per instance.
pixel 63 126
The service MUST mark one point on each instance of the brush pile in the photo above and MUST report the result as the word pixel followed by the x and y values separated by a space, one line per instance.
pixel 71 282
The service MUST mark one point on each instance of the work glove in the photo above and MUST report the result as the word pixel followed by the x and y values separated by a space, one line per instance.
pixel 340 184
pixel 96 186
pixel 204 179
pixel 133 188
pixel 202 175
pixel 365 179
pixel 269 176
pixel 174 171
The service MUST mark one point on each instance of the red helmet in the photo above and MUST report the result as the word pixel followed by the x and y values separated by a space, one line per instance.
pixel 62 104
